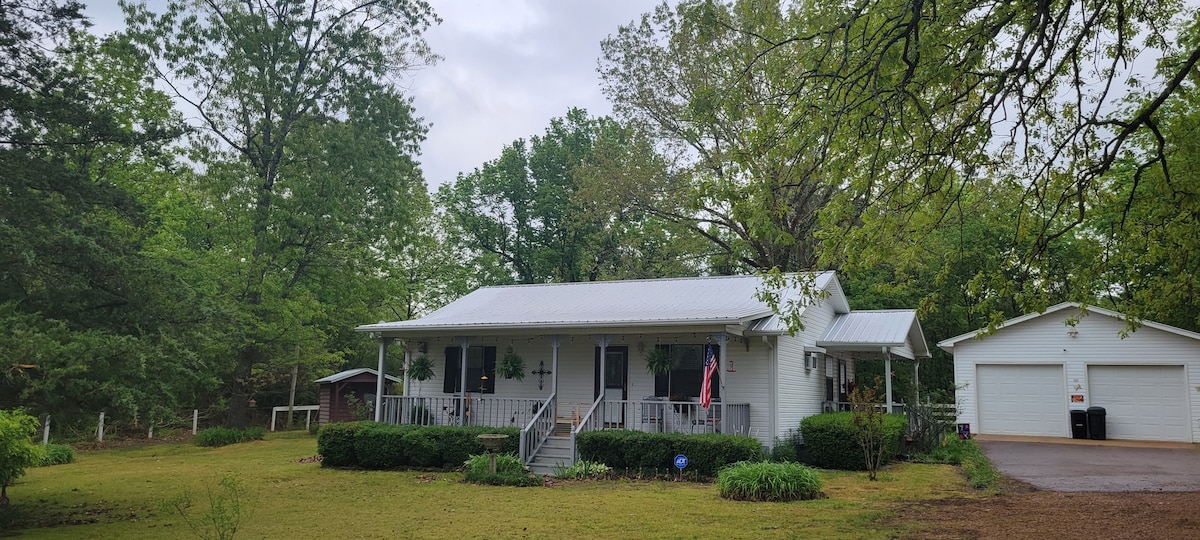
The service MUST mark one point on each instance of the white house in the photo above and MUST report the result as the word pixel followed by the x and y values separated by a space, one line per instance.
pixel 578 338
pixel 1024 378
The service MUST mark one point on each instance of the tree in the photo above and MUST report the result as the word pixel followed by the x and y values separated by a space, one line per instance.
pixel 87 318
pixel 740 174
pixel 545 211
pixel 308 152
pixel 17 452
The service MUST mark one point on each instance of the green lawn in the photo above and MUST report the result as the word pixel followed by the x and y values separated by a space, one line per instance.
pixel 118 494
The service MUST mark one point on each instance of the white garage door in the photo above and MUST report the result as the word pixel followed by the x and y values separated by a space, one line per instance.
pixel 1022 400
pixel 1141 402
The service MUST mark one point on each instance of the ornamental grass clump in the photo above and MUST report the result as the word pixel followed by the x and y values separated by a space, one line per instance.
pixel 509 471
pixel 584 470
pixel 767 481
pixel 56 454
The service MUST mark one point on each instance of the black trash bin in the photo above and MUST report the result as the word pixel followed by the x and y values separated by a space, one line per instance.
pixel 1096 422
pixel 1079 424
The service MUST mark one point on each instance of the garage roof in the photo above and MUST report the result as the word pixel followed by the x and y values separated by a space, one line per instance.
pixel 948 344
pixel 722 300
pixel 872 330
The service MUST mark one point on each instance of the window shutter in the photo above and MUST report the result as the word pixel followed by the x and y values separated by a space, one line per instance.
pixel 453 365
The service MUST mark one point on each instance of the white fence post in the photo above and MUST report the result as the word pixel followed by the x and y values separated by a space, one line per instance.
pixel 195 419
pixel 151 434
pixel 46 431
pixel 100 429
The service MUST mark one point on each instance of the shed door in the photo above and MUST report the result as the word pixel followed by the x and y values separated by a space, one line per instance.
pixel 1141 402
pixel 1022 400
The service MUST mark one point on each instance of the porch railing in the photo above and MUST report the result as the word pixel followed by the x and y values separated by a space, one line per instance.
pixel 586 423
pixel 457 410
pixel 538 429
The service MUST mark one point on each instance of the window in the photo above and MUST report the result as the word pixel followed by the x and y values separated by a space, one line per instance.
pixel 480 361
pixel 687 372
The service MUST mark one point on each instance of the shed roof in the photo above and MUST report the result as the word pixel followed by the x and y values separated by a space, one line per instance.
pixel 338 377
pixel 948 344
pixel 875 329
pixel 719 300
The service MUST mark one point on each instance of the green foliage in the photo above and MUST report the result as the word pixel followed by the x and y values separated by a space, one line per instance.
pixel 951 451
pixel 769 481
pixel 505 464
pixel 831 440
pixel 227 507
pixel 584 470
pixel 658 361
pixel 56 454
pixel 384 446
pixel 980 472
pixel 359 409
pixel 787 448
pixel 635 451
pixel 511 366
pixel 220 436
pixel 421 368
pixel 335 443
pixel 871 432
pixel 17 453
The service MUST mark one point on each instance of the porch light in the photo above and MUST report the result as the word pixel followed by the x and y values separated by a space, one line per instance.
pixel 1073 332
pixel 484 377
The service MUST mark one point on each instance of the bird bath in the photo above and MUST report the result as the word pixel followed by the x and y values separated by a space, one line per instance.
pixel 493 442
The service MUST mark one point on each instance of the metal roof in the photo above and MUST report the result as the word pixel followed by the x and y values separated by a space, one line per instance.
pixel 861 330
pixel 719 300
pixel 948 344
pixel 337 377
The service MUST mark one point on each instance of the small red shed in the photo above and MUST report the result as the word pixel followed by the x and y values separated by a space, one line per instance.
pixel 360 382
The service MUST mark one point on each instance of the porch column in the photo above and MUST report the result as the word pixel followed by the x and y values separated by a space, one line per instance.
pixel 554 341
pixel 404 382
pixel 383 343
pixel 602 341
pixel 917 379
pixel 463 343
pixel 887 371
pixel 722 339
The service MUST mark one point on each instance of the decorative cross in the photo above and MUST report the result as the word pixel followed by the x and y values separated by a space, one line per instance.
pixel 541 372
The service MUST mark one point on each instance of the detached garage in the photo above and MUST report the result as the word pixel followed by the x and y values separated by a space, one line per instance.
pixel 1024 378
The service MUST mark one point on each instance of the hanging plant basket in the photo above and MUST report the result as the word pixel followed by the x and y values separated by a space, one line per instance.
pixel 512 366
pixel 420 368
pixel 658 361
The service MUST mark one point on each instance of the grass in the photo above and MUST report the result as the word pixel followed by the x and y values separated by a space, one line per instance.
pixel 119 494
pixel 980 472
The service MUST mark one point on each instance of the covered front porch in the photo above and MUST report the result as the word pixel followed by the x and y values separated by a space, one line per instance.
pixel 574 383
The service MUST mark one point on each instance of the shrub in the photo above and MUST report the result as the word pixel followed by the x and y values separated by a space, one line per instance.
pixel 381 446
pixel 505 463
pixel 335 443
pixel 951 451
pixel 831 440
pixel 56 454
pixel 636 451
pixel 787 448
pixel 509 471
pixel 767 481
pixel 220 436
pixel 17 453
pixel 583 470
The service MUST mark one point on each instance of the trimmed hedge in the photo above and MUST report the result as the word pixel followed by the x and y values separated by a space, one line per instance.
pixel 385 446
pixel 335 443
pixel 831 440
pixel 220 436
pixel 655 452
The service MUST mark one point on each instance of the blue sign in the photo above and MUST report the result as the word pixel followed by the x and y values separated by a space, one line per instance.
pixel 680 461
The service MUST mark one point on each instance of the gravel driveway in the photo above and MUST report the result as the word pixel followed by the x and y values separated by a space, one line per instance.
pixel 1075 467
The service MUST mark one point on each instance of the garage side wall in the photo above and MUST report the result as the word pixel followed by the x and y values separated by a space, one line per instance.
pixel 1045 340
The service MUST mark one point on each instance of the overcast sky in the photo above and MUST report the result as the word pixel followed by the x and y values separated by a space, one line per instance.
pixel 509 67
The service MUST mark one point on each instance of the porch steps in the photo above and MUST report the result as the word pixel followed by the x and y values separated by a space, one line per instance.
pixel 555 452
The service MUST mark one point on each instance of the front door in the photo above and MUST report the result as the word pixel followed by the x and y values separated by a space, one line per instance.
pixel 616 383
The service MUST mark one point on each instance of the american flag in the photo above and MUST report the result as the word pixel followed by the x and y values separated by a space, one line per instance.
pixel 710 367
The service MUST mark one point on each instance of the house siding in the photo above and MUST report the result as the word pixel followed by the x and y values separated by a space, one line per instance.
pixel 1044 340
pixel 801 391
